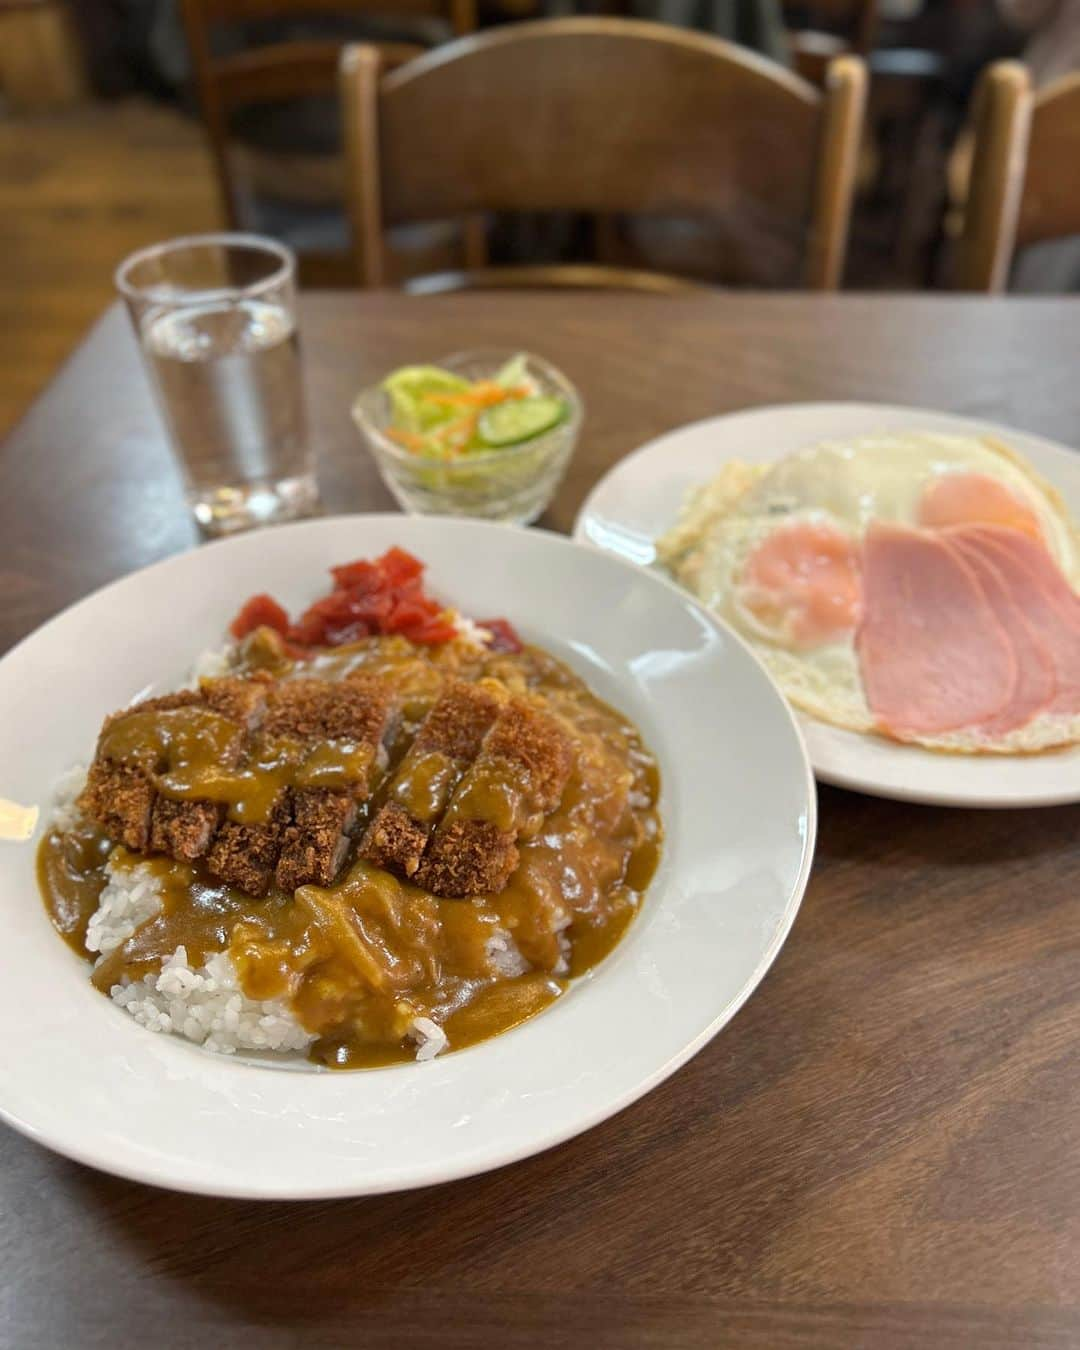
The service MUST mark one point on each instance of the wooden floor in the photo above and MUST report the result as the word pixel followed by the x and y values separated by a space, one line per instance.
pixel 78 191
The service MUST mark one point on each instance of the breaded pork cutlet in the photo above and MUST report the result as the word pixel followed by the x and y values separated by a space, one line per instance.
pixel 245 856
pixel 186 829
pixel 448 741
pixel 239 698
pixel 120 796
pixel 321 729
pixel 316 840
pixel 519 775
pixel 121 800
pixel 353 715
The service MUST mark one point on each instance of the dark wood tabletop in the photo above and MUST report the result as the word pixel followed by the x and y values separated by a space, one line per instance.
pixel 881 1150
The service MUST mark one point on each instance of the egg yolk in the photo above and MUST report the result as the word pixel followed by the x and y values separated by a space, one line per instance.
pixel 974 499
pixel 804 582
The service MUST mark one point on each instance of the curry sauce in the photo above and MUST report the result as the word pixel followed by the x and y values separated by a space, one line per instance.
pixel 356 962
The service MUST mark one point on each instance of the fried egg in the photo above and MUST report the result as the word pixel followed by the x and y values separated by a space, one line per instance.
pixel 775 551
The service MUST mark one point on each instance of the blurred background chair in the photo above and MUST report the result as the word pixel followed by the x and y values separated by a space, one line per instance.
pixel 1025 185
pixel 266 76
pixel 612 118
pixel 41 67
pixel 819 30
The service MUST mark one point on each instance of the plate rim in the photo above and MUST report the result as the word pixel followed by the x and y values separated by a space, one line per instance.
pixel 800 406
pixel 838 777
pixel 427 1174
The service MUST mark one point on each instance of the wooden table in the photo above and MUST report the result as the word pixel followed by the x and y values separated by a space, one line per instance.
pixel 882 1150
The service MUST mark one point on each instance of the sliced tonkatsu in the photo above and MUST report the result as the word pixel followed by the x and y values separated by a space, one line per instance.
pixel 261 781
pixel 448 742
pixel 119 792
pixel 316 840
pixel 185 829
pixel 518 778
pixel 337 731
pixel 254 775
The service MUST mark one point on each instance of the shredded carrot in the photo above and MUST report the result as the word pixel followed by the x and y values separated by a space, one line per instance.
pixel 449 400
pixel 488 392
pixel 408 439
pixel 483 394
pixel 456 435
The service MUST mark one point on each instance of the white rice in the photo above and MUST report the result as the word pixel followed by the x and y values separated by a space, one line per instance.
pixel 429 1037
pixel 208 1007
pixel 469 631
pixel 65 813
pixel 132 895
pixel 501 950
pixel 212 664
pixel 205 1003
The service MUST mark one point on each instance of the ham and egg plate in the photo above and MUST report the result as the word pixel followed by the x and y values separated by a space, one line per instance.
pixel 923 587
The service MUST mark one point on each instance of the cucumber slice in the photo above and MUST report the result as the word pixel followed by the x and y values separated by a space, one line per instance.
pixel 519 420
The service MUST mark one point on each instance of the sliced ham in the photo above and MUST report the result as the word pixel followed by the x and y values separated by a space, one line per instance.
pixel 933 655
pixel 974 499
pixel 1040 590
pixel 1036 682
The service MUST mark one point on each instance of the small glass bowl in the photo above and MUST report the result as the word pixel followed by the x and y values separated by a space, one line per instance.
pixel 514 483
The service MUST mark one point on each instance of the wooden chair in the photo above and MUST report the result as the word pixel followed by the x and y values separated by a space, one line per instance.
pixel 285 71
pixel 41 67
pixel 821 30
pixel 1024 185
pixel 599 115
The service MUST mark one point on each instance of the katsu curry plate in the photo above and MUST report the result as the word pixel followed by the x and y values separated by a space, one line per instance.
pixel 477 832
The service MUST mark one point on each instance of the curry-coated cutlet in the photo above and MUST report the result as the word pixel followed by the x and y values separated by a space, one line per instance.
pixel 530 756
pixel 307 832
pixel 533 741
pixel 121 800
pixel 241 699
pixel 120 797
pixel 454 729
pixel 475 740
pixel 244 855
pixel 358 711
pixel 395 840
pixel 469 857
pixel 186 829
pixel 460 719
pixel 315 842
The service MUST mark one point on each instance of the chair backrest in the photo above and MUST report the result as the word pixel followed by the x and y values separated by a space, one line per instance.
pixel 820 30
pixel 286 70
pixel 606 116
pixel 1024 182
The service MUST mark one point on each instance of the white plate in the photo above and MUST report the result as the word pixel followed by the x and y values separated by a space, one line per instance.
pixel 737 800
pixel 640 499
